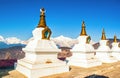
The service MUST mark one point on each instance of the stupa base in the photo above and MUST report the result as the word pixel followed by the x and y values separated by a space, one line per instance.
pixel 84 59
pixel 40 70
pixel 109 59
pixel 116 55
pixel 86 63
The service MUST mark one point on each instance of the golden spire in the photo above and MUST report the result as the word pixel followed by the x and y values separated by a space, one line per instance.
pixel 103 35
pixel 83 31
pixel 42 22
pixel 115 38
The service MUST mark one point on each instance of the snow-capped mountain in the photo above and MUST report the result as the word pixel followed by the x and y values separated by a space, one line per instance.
pixel 10 42
pixel 1 38
pixel 62 41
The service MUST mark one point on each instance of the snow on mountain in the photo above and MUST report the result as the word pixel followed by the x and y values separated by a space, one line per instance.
pixel 12 40
pixel 2 39
pixel 64 41
pixel 60 41
pixel 30 39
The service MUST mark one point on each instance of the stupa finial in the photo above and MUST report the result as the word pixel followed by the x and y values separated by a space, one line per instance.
pixel 42 11
pixel 83 30
pixel 42 22
pixel 115 38
pixel 103 35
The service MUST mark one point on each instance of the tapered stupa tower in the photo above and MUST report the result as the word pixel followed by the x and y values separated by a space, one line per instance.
pixel 83 30
pixel 115 39
pixel 103 52
pixel 115 48
pixel 42 22
pixel 83 52
pixel 46 32
pixel 103 35
pixel 41 54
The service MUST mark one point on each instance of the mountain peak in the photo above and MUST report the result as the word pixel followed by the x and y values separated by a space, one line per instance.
pixel 61 36
pixel 63 41
pixel 13 40
pixel 9 42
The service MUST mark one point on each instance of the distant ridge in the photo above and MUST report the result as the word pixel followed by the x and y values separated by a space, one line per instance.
pixel 5 45
pixel 14 52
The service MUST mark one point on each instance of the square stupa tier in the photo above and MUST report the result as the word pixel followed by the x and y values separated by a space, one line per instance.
pixel 104 53
pixel 83 52
pixel 116 49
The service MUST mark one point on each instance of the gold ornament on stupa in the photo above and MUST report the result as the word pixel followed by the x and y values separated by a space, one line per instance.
pixel 83 30
pixel 46 33
pixel 42 22
pixel 103 35
pixel 115 39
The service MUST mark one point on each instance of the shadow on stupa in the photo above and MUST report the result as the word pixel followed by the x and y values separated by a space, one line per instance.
pixel 96 76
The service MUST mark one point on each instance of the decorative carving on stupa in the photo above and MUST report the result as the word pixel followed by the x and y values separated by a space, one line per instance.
pixel 46 33
pixel 88 39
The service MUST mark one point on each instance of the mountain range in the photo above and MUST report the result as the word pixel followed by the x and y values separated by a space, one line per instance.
pixel 11 48
pixel 60 41
pixel 10 42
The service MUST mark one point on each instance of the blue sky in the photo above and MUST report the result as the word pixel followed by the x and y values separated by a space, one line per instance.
pixel 19 17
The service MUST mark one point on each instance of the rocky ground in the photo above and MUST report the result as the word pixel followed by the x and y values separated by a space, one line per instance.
pixel 12 53
pixel 111 70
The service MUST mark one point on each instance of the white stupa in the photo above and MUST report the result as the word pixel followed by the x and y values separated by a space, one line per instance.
pixel 103 52
pixel 116 49
pixel 83 52
pixel 41 54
